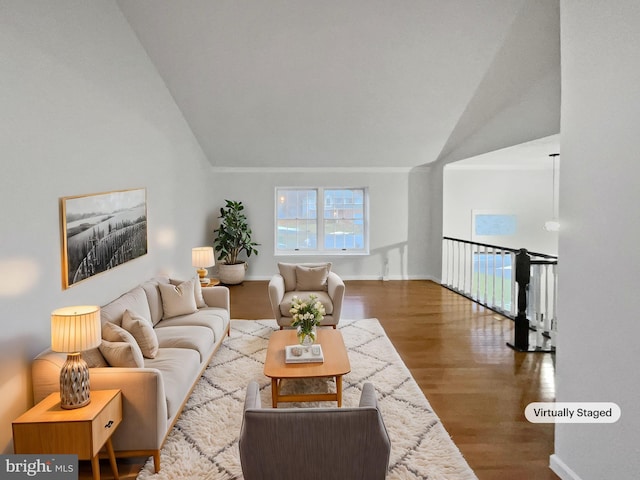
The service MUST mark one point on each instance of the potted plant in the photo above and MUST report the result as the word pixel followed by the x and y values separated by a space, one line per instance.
pixel 233 237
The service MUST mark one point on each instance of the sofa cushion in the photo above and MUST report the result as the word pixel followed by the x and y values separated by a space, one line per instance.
pixel 115 333
pixel 194 337
pixel 197 290
pixel 94 358
pixel 134 300
pixel 217 319
pixel 323 297
pixel 178 299
pixel 312 278
pixel 200 303
pixel 121 354
pixel 288 272
pixel 154 299
pixel 142 331
pixel 180 368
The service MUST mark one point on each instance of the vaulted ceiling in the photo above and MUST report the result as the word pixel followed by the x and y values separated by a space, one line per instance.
pixel 355 83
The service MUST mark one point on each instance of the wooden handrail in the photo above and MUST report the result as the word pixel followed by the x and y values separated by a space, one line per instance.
pixel 505 249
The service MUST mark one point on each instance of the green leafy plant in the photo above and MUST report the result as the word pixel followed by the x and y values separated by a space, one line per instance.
pixel 233 235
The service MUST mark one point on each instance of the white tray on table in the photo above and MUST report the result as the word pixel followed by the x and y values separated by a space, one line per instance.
pixel 308 354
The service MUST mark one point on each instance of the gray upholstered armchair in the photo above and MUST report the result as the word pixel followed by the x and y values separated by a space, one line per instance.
pixel 302 280
pixel 313 443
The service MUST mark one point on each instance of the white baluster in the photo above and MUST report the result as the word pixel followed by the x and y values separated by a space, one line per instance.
pixel 534 303
pixel 554 319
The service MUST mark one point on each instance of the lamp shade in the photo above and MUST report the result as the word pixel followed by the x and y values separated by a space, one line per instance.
pixel 75 329
pixel 202 257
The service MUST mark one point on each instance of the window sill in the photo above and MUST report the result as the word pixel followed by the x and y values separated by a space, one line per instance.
pixel 322 253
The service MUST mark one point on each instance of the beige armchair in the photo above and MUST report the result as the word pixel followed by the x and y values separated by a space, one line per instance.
pixel 302 280
pixel 313 443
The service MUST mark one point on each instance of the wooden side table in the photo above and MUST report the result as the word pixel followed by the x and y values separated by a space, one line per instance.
pixel 212 283
pixel 49 429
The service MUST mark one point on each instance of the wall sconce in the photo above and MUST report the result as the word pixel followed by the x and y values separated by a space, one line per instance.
pixel 73 330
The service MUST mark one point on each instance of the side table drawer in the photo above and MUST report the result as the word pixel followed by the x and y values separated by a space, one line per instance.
pixel 47 428
pixel 54 437
pixel 106 422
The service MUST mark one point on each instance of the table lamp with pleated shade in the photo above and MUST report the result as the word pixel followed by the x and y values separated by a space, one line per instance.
pixel 202 257
pixel 73 330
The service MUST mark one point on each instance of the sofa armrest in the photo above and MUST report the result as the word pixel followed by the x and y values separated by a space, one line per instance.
pixel 368 396
pixel 45 374
pixel 276 294
pixel 217 296
pixel 252 398
pixel 144 405
pixel 335 289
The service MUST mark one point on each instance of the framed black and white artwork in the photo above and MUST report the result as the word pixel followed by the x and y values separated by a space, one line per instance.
pixel 101 231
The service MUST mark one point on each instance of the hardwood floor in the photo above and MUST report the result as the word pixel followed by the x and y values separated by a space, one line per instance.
pixel 456 351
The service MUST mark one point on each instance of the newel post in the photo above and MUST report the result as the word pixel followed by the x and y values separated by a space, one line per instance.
pixel 523 275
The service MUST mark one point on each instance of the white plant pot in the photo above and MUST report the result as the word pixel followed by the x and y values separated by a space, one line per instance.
pixel 232 274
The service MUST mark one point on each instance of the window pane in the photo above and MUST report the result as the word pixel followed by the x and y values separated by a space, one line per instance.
pixel 297 219
pixel 297 204
pixel 344 219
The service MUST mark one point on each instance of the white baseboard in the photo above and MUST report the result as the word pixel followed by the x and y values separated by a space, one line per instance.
pixel 561 469
pixel 362 277
pixel 391 277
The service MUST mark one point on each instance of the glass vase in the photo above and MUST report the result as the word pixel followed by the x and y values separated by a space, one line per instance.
pixel 307 337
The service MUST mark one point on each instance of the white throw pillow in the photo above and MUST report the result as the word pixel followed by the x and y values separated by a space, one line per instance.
pixel 178 299
pixel 200 303
pixel 122 354
pixel 114 333
pixel 94 358
pixel 288 272
pixel 143 333
pixel 312 278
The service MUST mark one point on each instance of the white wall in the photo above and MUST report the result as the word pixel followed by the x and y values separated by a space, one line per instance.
pixel 599 327
pixel 83 111
pixel 524 192
pixel 399 222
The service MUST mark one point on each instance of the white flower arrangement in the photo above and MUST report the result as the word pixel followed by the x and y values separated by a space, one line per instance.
pixel 306 314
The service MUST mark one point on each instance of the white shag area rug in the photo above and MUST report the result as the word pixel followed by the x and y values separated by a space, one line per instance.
pixel 204 442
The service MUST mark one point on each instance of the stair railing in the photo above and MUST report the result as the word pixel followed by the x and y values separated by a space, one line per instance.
pixel 516 283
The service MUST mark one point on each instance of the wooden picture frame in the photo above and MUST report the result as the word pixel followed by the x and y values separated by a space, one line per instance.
pixel 101 231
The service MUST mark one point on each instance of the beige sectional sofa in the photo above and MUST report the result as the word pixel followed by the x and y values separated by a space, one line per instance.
pixel 178 326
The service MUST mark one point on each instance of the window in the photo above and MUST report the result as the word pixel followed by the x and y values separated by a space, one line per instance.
pixel 321 221
pixel 487 223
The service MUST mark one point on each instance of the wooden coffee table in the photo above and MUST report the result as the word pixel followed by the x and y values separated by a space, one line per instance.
pixel 336 364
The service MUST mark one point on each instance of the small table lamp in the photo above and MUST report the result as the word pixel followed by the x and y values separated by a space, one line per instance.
pixel 201 258
pixel 74 329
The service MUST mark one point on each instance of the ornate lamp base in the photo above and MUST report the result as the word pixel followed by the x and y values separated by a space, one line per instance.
pixel 202 273
pixel 74 382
